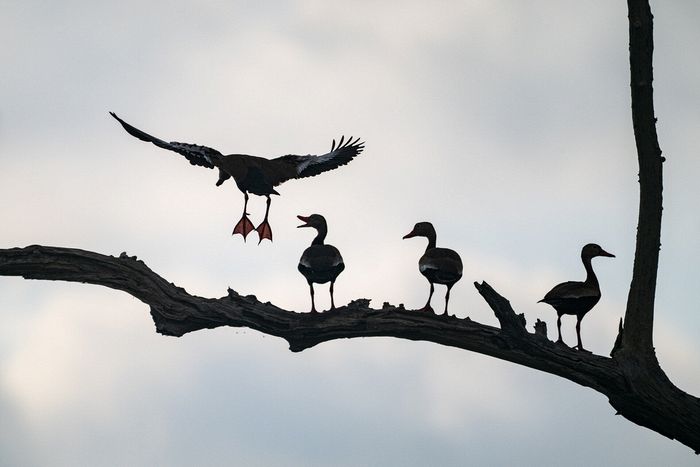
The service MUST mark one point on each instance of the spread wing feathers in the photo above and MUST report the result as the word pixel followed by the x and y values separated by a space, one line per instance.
pixel 308 166
pixel 197 155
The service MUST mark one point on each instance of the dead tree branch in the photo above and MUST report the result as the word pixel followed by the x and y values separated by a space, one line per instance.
pixel 175 313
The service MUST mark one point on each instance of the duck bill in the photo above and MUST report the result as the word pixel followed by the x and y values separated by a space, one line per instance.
pixel 305 221
pixel 605 253
pixel 411 234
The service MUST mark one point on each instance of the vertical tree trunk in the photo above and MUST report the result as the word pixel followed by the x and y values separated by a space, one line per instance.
pixel 637 337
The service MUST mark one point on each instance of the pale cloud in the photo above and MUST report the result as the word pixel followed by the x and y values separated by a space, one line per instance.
pixel 76 352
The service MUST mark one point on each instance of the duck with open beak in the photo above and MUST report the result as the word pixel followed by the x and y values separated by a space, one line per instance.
pixel 320 263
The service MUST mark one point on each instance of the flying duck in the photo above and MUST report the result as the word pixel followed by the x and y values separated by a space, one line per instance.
pixel 577 298
pixel 438 265
pixel 253 174
pixel 320 263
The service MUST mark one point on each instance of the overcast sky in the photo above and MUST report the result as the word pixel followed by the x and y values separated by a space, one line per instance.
pixel 505 123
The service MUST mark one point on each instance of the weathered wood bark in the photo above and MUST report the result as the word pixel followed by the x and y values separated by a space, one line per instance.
pixel 631 378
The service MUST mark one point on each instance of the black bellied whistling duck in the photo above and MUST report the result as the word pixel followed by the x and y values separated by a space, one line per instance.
pixel 438 265
pixel 320 263
pixel 577 298
pixel 254 174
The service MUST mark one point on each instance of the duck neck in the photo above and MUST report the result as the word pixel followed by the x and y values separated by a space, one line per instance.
pixel 321 236
pixel 432 237
pixel 590 275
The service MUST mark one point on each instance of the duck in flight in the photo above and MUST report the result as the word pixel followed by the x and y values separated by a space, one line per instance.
pixel 438 265
pixel 253 174
pixel 574 297
pixel 320 263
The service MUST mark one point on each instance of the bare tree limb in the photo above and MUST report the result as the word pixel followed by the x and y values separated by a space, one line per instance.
pixel 647 399
pixel 175 313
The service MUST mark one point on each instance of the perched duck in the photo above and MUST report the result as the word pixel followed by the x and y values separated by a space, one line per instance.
pixel 577 298
pixel 438 265
pixel 320 263
pixel 254 174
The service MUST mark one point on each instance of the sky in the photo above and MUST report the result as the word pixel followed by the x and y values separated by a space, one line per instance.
pixel 506 124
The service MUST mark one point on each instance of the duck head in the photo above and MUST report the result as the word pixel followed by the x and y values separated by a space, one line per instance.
pixel 316 221
pixel 592 250
pixel 421 229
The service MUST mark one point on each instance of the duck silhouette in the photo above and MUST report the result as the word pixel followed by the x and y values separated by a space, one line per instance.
pixel 320 263
pixel 253 174
pixel 438 265
pixel 574 297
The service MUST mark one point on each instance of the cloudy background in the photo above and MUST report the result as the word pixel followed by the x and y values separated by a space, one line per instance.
pixel 505 124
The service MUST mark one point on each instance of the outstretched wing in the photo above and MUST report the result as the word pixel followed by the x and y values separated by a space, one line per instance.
pixel 197 155
pixel 308 166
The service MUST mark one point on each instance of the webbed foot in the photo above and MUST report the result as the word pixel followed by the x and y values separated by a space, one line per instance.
pixel 244 227
pixel 264 231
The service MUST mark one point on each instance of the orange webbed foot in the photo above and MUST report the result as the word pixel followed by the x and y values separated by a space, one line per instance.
pixel 244 227
pixel 264 231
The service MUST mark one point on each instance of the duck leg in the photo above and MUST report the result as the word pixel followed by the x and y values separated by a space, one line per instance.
pixel 447 299
pixel 332 302
pixel 427 306
pixel 244 226
pixel 313 305
pixel 264 229
pixel 559 339
pixel 578 333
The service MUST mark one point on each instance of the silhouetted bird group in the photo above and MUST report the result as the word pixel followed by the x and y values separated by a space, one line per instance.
pixel 321 263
